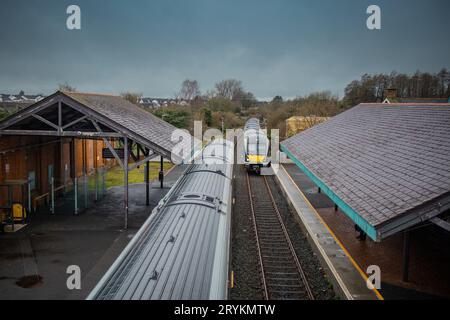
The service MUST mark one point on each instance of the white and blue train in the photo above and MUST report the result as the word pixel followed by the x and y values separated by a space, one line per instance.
pixel 256 146
pixel 182 251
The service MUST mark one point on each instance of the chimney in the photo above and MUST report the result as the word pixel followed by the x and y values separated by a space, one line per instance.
pixel 391 93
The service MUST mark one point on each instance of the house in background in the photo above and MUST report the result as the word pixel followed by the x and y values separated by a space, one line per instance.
pixel 155 103
pixel 20 98
pixel 15 102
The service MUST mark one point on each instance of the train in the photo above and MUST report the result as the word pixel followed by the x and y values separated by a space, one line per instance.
pixel 182 250
pixel 256 146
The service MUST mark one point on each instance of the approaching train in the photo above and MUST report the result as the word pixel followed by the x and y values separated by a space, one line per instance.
pixel 182 250
pixel 256 146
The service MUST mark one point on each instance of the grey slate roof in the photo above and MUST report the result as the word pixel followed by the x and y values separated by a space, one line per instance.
pixel 382 160
pixel 114 112
pixel 130 116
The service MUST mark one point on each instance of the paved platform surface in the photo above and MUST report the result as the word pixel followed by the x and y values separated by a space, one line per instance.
pixel 346 277
pixel 33 261
pixel 430 256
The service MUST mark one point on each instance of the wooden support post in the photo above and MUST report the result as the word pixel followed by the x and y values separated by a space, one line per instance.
pixel 161 172
pixel 73 159
pixel 138 154
pixel 59 117
pixel 83 148
pixel 406 251
pixel 61 164
pixel 125 177
pixel 147 180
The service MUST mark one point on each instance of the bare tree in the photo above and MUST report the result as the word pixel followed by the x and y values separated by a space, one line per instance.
pixel 66 87
pixel 371 88
pixel 189 90
pixel 132 97
pixel 229 89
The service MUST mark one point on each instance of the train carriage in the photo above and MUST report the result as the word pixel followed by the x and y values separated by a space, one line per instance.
pixel 182 250
pixel 256 146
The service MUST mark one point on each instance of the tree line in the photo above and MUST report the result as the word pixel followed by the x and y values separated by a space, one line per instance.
pixel 228 102
pixel 372 88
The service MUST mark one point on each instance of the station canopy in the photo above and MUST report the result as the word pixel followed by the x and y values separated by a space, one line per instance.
pixel 387 166
pixel 96 116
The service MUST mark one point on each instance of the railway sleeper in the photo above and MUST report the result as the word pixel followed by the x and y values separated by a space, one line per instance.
pixel 284 282
pixel 281 267
pixel 285 258
pixel 285 288
pixel 272 238
pixel 284 273
pixel 282 294
pixel 268 223
pixel 287 265
pixel 273 242
pixel 276 256
pixel 271 219
pixel 269 232
pixel 275 253
pixel 277 276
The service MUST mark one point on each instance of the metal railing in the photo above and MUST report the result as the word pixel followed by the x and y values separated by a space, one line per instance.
pixel 71 196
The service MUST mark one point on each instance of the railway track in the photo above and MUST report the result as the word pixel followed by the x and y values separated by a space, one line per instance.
pixel 281 272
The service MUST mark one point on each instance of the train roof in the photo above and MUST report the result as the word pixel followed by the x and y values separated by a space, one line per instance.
pixel 218 152
pixel 386 166
pixel 252 124
pixel 181 250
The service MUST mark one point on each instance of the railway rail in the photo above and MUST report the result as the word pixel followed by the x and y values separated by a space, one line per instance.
pixel 282 275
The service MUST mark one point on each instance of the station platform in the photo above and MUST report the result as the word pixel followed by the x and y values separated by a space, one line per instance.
pixel 429 259
pixel 33 261
pixel 348 278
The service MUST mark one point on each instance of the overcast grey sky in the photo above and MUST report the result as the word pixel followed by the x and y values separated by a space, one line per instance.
pixel 275 47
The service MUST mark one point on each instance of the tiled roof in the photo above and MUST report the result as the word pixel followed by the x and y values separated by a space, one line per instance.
pixel 423 100
pixel 381 160
pixel 130 116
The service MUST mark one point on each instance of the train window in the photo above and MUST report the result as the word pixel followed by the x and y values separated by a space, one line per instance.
pixel 257 149
pixel 192 196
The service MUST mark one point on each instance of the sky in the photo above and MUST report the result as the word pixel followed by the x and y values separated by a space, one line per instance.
pixel 275 47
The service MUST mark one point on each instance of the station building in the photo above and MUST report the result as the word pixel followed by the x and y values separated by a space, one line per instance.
pixel 386 168
pixel 46 147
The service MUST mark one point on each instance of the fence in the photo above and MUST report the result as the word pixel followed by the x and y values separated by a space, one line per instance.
pixel 72 196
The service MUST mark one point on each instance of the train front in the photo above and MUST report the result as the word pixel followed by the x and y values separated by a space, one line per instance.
pixel 256 146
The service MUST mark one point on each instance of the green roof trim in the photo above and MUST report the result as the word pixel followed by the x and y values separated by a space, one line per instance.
pixel 352 214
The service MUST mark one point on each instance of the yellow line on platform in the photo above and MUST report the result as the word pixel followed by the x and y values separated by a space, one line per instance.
pixel 355 264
